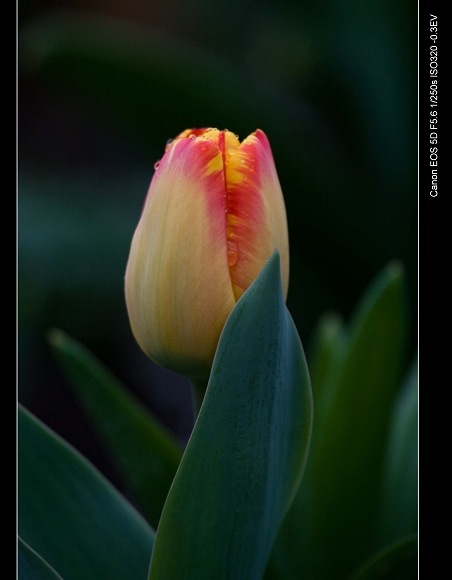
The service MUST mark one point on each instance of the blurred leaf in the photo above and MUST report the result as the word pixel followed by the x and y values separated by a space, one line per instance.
pixel 335 509
pixel 398 512
pixel 327 349
pixel 246 455
pixel 71 515
pixel 146 453
pixel 350 440
pixel 70 257
pixel 71 261
pixel 32 566
pixel 398 561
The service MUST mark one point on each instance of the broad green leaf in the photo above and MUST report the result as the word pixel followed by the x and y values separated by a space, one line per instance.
pixel 146 454
pixel 398 561
pixel 335 510
pixel 71 515
pixel 31 566
pixel 398 512
pixel 246 454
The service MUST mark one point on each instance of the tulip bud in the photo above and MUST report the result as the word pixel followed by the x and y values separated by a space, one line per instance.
pixel 213 215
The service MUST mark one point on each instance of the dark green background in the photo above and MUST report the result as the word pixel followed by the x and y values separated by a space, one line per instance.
pixel 103 85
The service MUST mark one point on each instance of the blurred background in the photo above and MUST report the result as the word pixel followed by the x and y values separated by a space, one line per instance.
pixel 104 84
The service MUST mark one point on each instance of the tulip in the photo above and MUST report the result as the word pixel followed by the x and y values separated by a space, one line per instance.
pixel 213 215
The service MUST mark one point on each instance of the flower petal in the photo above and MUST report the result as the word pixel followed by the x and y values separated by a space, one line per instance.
pixel 178 285
pixel 256 219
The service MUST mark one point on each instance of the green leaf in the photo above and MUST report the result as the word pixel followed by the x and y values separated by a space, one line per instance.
pixel 327 349
pixel 71 515
pixel 32 566
pixel 146 453
pixel 398 561
pixel 335 510
pixel 398 512
pixel 246 454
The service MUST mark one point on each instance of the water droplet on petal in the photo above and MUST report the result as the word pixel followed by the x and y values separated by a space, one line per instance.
pixel 242 160
pixel 192 136
pixel 156 164
pixel 168 141
pixel 232 150
pixel 168 147
pixel 237 137
pixel 233 253
pixel 224 130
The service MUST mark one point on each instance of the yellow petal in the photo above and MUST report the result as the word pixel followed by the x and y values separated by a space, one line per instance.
pixel 178 284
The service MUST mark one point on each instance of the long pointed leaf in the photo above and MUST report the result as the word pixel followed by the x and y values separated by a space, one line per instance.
pixel 327 350
pixel 397 561
pixel 32 566
pixel 245 458
pixel 72 516
pixel 398 512
pixel 146 454
pixel 330 527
